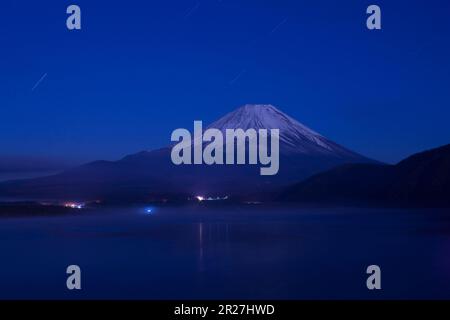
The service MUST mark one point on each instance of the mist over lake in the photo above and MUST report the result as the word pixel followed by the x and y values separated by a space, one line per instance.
pixel 227 252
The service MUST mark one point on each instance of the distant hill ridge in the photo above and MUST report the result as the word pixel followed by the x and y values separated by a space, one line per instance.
pixel 422 179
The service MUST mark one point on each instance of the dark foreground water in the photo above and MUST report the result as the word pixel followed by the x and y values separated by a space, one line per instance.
pixel 228 252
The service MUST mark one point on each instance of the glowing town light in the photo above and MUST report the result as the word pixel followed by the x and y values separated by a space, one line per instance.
pixel 200 198
pixel 73 205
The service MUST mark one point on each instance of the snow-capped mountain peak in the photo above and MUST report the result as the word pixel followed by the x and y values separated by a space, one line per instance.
pixel 294 136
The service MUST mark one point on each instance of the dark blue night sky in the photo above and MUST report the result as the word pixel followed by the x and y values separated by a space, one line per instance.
pixel 139 69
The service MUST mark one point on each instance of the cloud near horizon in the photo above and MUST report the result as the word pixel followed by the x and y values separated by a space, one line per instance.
pixel 12 164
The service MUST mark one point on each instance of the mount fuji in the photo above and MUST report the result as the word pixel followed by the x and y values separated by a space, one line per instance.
pixel 151 175
pixel 295 138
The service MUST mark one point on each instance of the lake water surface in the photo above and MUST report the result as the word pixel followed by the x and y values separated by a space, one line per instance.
pixel 230 252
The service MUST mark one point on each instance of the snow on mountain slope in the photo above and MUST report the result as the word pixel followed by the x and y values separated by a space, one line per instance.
pixel 294 136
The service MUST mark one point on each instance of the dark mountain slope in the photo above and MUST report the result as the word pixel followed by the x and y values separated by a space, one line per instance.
pixel 420 180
